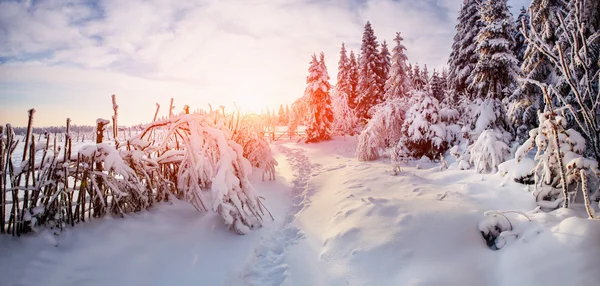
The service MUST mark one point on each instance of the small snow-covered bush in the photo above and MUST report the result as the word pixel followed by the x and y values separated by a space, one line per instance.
pixel 520 171
pixel 383 130
pixel 462 158
pixel 424 132
pixel 559 159
pixel 487 114
pixel 489 151
pixel 249 133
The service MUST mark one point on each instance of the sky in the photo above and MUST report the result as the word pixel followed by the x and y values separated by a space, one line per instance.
pixel 66 58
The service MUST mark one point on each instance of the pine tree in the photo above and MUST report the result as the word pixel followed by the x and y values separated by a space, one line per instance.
pixel 449 99
pixel 535 65
pixel 463 57
pixel 417 79
pixel 287 114
pixel 384 67
pixel 344 120
pixel 520 43
pixel 496 73
pixel 425 75
pixel 437 86
pixel 281 115
pixel 424 133
pixel 410 75
pixel 525 100
pixel 319 101
pixel 398 82
pixel 494 77
pixel 369 93
pixel 343 76
pixel 353 75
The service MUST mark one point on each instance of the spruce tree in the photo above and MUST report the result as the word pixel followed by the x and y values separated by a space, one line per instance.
pixel 410 75
pixel 384 67
pixel 425 75
pixel 535 65
pixel 437 86
pixel 463 57
pixel 353 75
pixel 369 93
pixel 398 82
pixel 496 73
pixel 320 115
pixel 343 76
pixel 417 79
pixel 281 115
pixel 287 113
pixel 520 42
pixel 526 100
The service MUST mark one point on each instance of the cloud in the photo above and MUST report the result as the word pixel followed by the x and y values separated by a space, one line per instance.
pixel 217 50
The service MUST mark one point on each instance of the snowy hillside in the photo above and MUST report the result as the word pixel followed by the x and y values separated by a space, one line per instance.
pixel 337 221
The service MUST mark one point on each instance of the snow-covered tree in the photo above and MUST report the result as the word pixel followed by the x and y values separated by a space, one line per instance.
pixel 425 75
pixel 320 116
pixel 494 77
pixel 463 57
pixel 527 99
pixel 345 121
pixel 343 76
pixel 383 130
pixel 353 75
pixel 496 73
pixel 398 82
pixel 281 118
pixel 520 43
pixel 424 133
pixel 298 114
pixel 559 159
pixel 418 82
pixel 369 93
pixel 384 67
pixel 436 85
pixel 488 132
pixel 489 150
pixel 575 58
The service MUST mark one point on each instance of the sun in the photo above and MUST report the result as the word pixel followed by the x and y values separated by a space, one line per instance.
pixel 250 103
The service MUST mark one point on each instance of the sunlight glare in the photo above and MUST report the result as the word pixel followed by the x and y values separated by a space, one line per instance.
pixel 251 103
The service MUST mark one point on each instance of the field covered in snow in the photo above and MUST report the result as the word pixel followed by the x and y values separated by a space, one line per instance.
pixel 337 221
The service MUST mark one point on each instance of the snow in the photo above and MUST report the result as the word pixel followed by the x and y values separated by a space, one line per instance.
pixel 517 169
pixel 337 221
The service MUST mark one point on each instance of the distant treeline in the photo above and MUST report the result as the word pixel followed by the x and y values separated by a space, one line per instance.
pixel 55 129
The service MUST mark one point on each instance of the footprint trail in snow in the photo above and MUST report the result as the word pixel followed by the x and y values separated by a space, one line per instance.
pixel 268 265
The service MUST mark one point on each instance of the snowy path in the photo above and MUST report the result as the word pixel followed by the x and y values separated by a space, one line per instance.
pixel 268 265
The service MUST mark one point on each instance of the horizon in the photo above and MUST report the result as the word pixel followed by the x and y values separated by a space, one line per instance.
pixel 67 59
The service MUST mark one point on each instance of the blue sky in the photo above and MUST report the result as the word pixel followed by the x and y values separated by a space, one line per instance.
pixel 65 58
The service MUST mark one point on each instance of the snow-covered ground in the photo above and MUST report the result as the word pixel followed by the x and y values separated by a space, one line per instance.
pixel 337 222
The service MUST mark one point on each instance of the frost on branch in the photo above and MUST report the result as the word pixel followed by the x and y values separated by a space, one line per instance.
pixel 207 168
pixel 383 130
pixel 345 121
pixel 557 147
